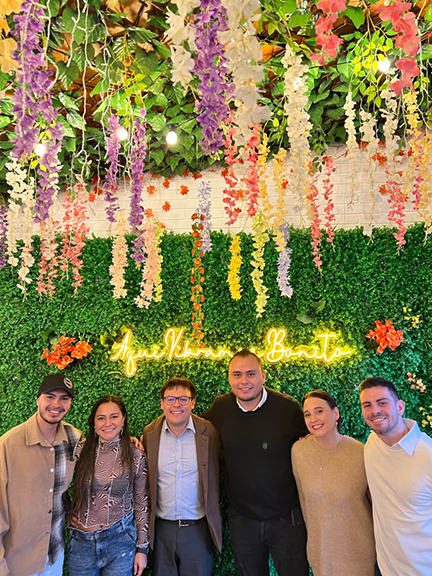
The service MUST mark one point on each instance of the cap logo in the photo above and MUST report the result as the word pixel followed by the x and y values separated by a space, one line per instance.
pixel 67 382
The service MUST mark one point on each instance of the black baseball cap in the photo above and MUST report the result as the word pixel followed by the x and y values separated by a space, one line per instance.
pixel 54 381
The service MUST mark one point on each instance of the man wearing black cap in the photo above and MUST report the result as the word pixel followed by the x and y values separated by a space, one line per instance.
pixel 36 468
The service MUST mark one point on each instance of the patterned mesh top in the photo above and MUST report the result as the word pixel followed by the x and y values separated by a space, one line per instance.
pixel 114 494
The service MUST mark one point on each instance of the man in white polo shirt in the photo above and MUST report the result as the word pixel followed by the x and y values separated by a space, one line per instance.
pixel 398 459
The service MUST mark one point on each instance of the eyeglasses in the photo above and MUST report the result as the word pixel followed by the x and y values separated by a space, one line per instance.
pixel 170 400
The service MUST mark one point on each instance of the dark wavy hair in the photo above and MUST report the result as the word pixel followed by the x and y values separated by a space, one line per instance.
pixel 86 463
pixel 324 395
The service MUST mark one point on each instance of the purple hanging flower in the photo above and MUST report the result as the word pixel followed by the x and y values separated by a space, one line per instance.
pixel 284 264
pixel 136 215
pixel 204 207
pixel 112 145
pixel 32 101
pixel 3 232
pixel 215 89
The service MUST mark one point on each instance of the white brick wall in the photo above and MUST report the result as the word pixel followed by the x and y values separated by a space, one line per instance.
pixel 178 218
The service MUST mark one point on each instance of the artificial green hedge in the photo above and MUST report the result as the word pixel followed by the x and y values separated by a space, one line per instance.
pixel 362 281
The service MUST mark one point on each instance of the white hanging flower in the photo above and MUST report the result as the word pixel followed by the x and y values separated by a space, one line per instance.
pixel 352 148
pixel 182 65
pixel 299 126
pixel 367 128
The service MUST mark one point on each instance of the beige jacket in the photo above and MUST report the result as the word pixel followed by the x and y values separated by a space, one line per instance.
pixel 26 485
pixel 207 446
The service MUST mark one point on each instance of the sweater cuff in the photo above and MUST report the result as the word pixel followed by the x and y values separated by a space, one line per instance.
pixel 142 549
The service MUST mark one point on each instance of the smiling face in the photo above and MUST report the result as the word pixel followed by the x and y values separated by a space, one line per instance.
pixel 177 414
pixel 54 405
pixel 246 380
pixel 382 411
pixel 321 420
pixel 108 421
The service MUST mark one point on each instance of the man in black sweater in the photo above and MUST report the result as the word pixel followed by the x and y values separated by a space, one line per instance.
pixel 258 427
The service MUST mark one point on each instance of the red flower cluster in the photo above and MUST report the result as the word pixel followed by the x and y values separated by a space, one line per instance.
pixel 325 38
pixel 197 280
pixel 65 352
pixel 385 335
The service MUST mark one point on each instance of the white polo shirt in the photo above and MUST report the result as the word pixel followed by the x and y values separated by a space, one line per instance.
pixel 400 482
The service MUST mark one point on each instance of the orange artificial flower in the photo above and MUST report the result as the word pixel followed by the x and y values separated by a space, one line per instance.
pixel 151 189
pixel 196 176
pixel 166 183
pixel 166 207
pixel 149 213
pixel 184 189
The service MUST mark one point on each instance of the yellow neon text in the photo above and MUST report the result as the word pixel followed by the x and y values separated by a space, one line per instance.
pixel 177 348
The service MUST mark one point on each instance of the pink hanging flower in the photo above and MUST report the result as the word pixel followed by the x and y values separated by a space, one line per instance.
pixel 311 199
pixel 325 38
pixel 329 169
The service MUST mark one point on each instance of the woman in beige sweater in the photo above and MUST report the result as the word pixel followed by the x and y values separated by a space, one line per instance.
pixel 331 480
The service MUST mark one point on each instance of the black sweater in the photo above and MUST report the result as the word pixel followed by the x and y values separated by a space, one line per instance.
pixel 257 453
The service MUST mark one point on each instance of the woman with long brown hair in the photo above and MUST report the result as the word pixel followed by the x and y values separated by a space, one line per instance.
pixel 332 485
pixel 110 485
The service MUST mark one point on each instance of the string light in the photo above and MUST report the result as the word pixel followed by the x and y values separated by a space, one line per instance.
pixel 383 65
pixel 122 133
pixel 171 138
pixel 40 149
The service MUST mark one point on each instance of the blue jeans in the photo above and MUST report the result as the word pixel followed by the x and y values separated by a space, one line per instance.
pixel 109 552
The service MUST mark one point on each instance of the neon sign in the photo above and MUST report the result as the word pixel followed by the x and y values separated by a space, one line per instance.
pixel 178 348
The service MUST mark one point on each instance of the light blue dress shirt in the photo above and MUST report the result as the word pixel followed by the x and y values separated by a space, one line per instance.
pixel 179 496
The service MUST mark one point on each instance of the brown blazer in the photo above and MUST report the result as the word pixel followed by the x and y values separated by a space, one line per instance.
pixel 207 447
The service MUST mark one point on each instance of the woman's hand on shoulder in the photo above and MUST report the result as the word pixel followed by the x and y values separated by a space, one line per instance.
pixel 137 443
pixel 140 563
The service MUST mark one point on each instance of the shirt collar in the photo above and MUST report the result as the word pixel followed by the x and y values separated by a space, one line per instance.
pixel 411 438
pixel 190 426
pixel 35 436
pixel 261 402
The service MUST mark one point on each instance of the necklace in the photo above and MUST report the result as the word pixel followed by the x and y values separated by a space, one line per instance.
pixel 321 451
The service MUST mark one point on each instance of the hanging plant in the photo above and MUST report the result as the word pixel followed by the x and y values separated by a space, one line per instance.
pixel 151 282
pixel 234 267
pixel 261 238
pixel 197 279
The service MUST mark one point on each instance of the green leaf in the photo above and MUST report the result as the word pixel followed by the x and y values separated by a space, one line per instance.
pixel 156 121
pixel 101 87
pixel 314 98
pixel 68 130
pixel 70 144
pixel 356 15
pixel 188 126
pixel 53 7
pixel 298 20
pixel 156 100
pixel 69 19
pixel 75 120
pixel 316 113
pixel 188 141
pixel 289 6
pixel 318 306
pixel 142 35
pixel 172 160
pixel 98 33
pixel 335 113
pixel 161 49
pixel 67 73
pixel 4 121
pixel 426 53
pixel 158 86
pixel 157 156
pixel 304 318
pixel 67 101
pixel 346 69
pixel 158 22
pixel 428 14
pixel 146 61
pixel 79 54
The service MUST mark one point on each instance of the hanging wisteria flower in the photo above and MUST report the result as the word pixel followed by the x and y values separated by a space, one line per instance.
pixel 183 65
pixel 21 194
pixel 3 234
pixel 284 263
pixel 329 169
pixel 263 151
pixel 251 179
pixel 75 230
pixel 426 183
pixel 197 279
pixel 137 211
pixel 299 127
pixel 231 193
pixel 413 176
pixel 242 52
pixel 211 68
pixel 325 37
pixel 280 210
pixel 151 283
pixel 49 262
pixel 313 210
pixel 367 128
pixel 48 171
pixel 119 257
pixel 179 32
pixel 261 238
pixel 234 267
pixel 111 187
pixel 203 210
pixel 352 148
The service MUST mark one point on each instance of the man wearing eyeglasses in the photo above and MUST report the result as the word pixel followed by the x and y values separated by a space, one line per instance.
pixel 183 471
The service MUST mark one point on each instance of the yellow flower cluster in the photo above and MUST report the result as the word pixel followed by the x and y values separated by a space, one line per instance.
pixel 427 417
pixel 260 239
pixel 278 172
pixel 9 6
pixel 157 287
pixel 415 320
pixel 426 182
pixel 234 267
pixel 263 151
